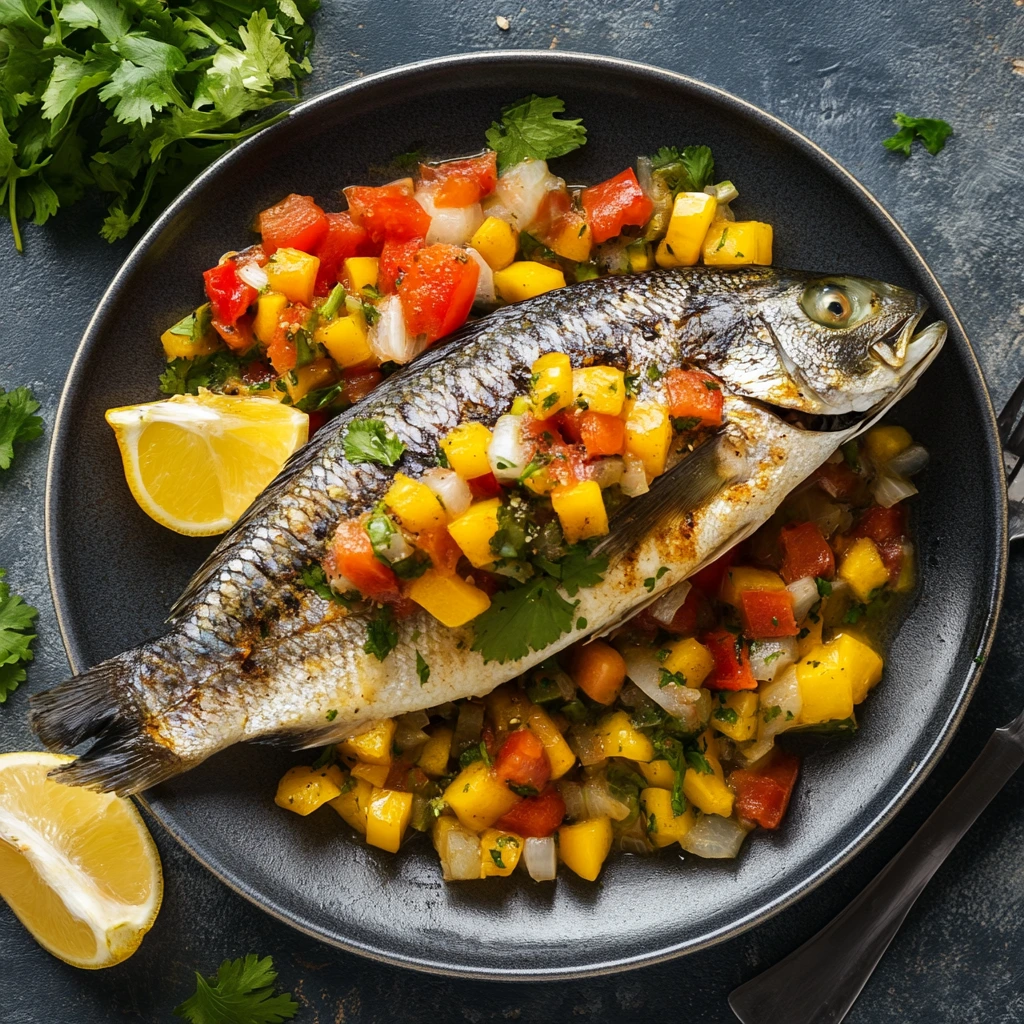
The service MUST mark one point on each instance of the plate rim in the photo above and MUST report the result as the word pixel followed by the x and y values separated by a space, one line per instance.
pixel 637 70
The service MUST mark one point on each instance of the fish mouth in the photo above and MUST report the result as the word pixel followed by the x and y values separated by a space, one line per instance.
pixel 891 348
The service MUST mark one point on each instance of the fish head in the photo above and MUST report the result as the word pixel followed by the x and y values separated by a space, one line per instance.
pixel 848 343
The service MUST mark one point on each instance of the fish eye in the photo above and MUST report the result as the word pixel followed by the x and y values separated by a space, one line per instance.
pixel 829 304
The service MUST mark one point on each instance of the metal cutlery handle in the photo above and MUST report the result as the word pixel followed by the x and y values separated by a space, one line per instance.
pixel 819 982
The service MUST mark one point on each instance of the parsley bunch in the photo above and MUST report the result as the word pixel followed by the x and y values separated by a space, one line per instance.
pixel 132 98
pixel 16 619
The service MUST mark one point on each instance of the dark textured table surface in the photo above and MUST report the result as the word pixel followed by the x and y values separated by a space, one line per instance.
pixel 836 71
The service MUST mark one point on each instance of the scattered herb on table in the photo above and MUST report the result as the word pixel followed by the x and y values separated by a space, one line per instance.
pixel 18 422
pixel 242 992
pixel 16 619
pixel 931 132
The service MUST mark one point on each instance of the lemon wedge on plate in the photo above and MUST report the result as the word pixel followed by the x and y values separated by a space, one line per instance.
pixel 195 463
pixel 78 868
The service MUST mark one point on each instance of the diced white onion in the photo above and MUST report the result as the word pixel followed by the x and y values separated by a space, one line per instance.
pixel 770 657
pixel 572 796
pixel 612 255
pixel 600 803
pixel 634 477
pixel 909 461
pixel 388 338
pixel 485 294
pixel 453 225
pixel 607 472
pixel 682 702
pixel 459 850
pixel 664 609
pixel 889 490
pixel 714 838
pixel 396 549
pixel 586 744
pixel 453 491
pixel 784 694
pixel 541 857
pixel 253 275
pixel 805 596
pixel 522 189
pixel 506 453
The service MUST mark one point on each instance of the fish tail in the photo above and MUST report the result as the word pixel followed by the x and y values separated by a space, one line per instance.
pixel 100 705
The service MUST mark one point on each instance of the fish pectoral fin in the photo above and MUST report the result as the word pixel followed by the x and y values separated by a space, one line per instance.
pixel 688 485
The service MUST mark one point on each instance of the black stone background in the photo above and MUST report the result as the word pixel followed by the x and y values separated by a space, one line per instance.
pixel 834 70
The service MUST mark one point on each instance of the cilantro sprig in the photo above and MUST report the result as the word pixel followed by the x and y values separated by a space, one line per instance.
pixel 16 619
pixel 684 170
pixel 18 422
pixel 133 99
pixel 184 376
pixel 241 992
pixel 529 128
pixel 370 441
pixel 931 132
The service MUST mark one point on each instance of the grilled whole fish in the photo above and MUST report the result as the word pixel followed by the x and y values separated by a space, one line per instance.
pixel 251 653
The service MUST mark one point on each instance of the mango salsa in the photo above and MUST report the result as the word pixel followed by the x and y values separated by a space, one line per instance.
pixel 585 846
pixel 293 273
pixel 496 241
pixel 466 449
pixel 353 803
pixel 304 789
pixel 478 797
pixel 416 505
pixel 372 746
pixel 526 280
pixel 551 379
pixel 649 435
pixel 862 567
pixel 499 852
pixel 691 659
pixel 387 818
pixel 580 510
pixel 692 213
pixel 473 531
pixel 620 739
pixel 664 827
pixel 450 599
pixel 599 389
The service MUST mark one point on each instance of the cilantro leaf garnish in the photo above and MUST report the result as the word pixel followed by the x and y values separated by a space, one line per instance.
pixel 241 992
pixel 186 376
pixel 684 170
pixel 422 669
pixel 529 128
pixel 369 441
pixel 18 422
pixel 16 619
pixel 931 132
pixel 314 577
pixel 381 633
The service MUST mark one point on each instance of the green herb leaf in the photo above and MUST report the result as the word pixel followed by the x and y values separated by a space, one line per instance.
pixel 685 170
pixel 16 619
pixel 824 587
pixel 381 633
pixel 724 714
pixel 369 441
pixel 242 992
pixel 931 132
pixel 18 422
pixel 186 376
pixel 314 577
pixel 422 669
pixel 529 128
pixel 523 619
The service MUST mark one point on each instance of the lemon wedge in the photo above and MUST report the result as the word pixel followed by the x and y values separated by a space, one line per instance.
pixel 78 868
pixel 194 463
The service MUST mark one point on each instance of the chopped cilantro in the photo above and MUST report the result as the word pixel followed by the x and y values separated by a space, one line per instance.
pixel 931 132
pixel 496 857
pixel 381 633
pixel 698 762
pixel 654 373
pixel 684 170
pixel 824 587
pixel 369 441
pixel 666 678
pixel 529 128
pixel 422 669
pixel 521 789
pixel 685 423
pixel 186 376
pixel 331 715
pixel 314 577
pixel 728 715
pixel 771 713
pixel 630 381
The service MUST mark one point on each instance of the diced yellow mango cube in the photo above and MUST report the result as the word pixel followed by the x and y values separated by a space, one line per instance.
pixel 372 746
pixel 450 599
pixel 520 404
pixel 304 789
pixel 346 341
pixel 269 307
pixel 691 659
pixel 551 379
pixel 600 389
pixel 572 240
pixel 455 842
pixel 744 577
pixel 374 774
pixel 478 797
pixel 640 256
pixel 862 567
pixel 580 510
pixel 826 686
pixel 191 336
pixel 473 531
pixel 620 739
pixel 659 773
pixel 708 744
pixel 434 756
pixel 293 273
pixel 886 442
pixel 360 272
pixel 354 802
pixel 526 280
pixel 387 818
pixel 663 826
pixel 708 793
pixel 317 374
pixel 466 449
pixel 649 435
pixel 585 846
pixel 692 214
pixel 736 715
pixel 738 243
pixel 559 752
pixel 418 508
pixel 496 241
pixel 499 852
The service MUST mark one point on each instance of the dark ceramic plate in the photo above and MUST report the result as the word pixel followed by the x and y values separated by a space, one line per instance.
pixel 115 572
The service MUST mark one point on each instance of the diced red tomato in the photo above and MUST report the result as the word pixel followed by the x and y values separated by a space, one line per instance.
pixel 388 212
pixel 359 382
pixel 352 557
pixel 462 182
pixel 567 461
pixel 440 548
pixel 602 434
pixel 805 552
pixel 256 372
pixel 763 796
pixel 395 260
pixel 615 204
pixel 732 662
pixel 839 481
pixel 710 578
pixel 485 486
pixel 489 582
pixel 344 238
pixel 569 423
pixel 229 295
pixel 694 395
pixel 522 763
pixel 551 212
pixel 294 223
pixel 536 816
pixel 398 775
pixel 282 351
pixel 237 336
pixel 887 527
pixel 317 418
pixel 437 291
pixel 690 615
pixel 767 613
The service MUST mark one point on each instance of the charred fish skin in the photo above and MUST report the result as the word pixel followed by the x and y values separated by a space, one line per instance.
pixel 252 652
